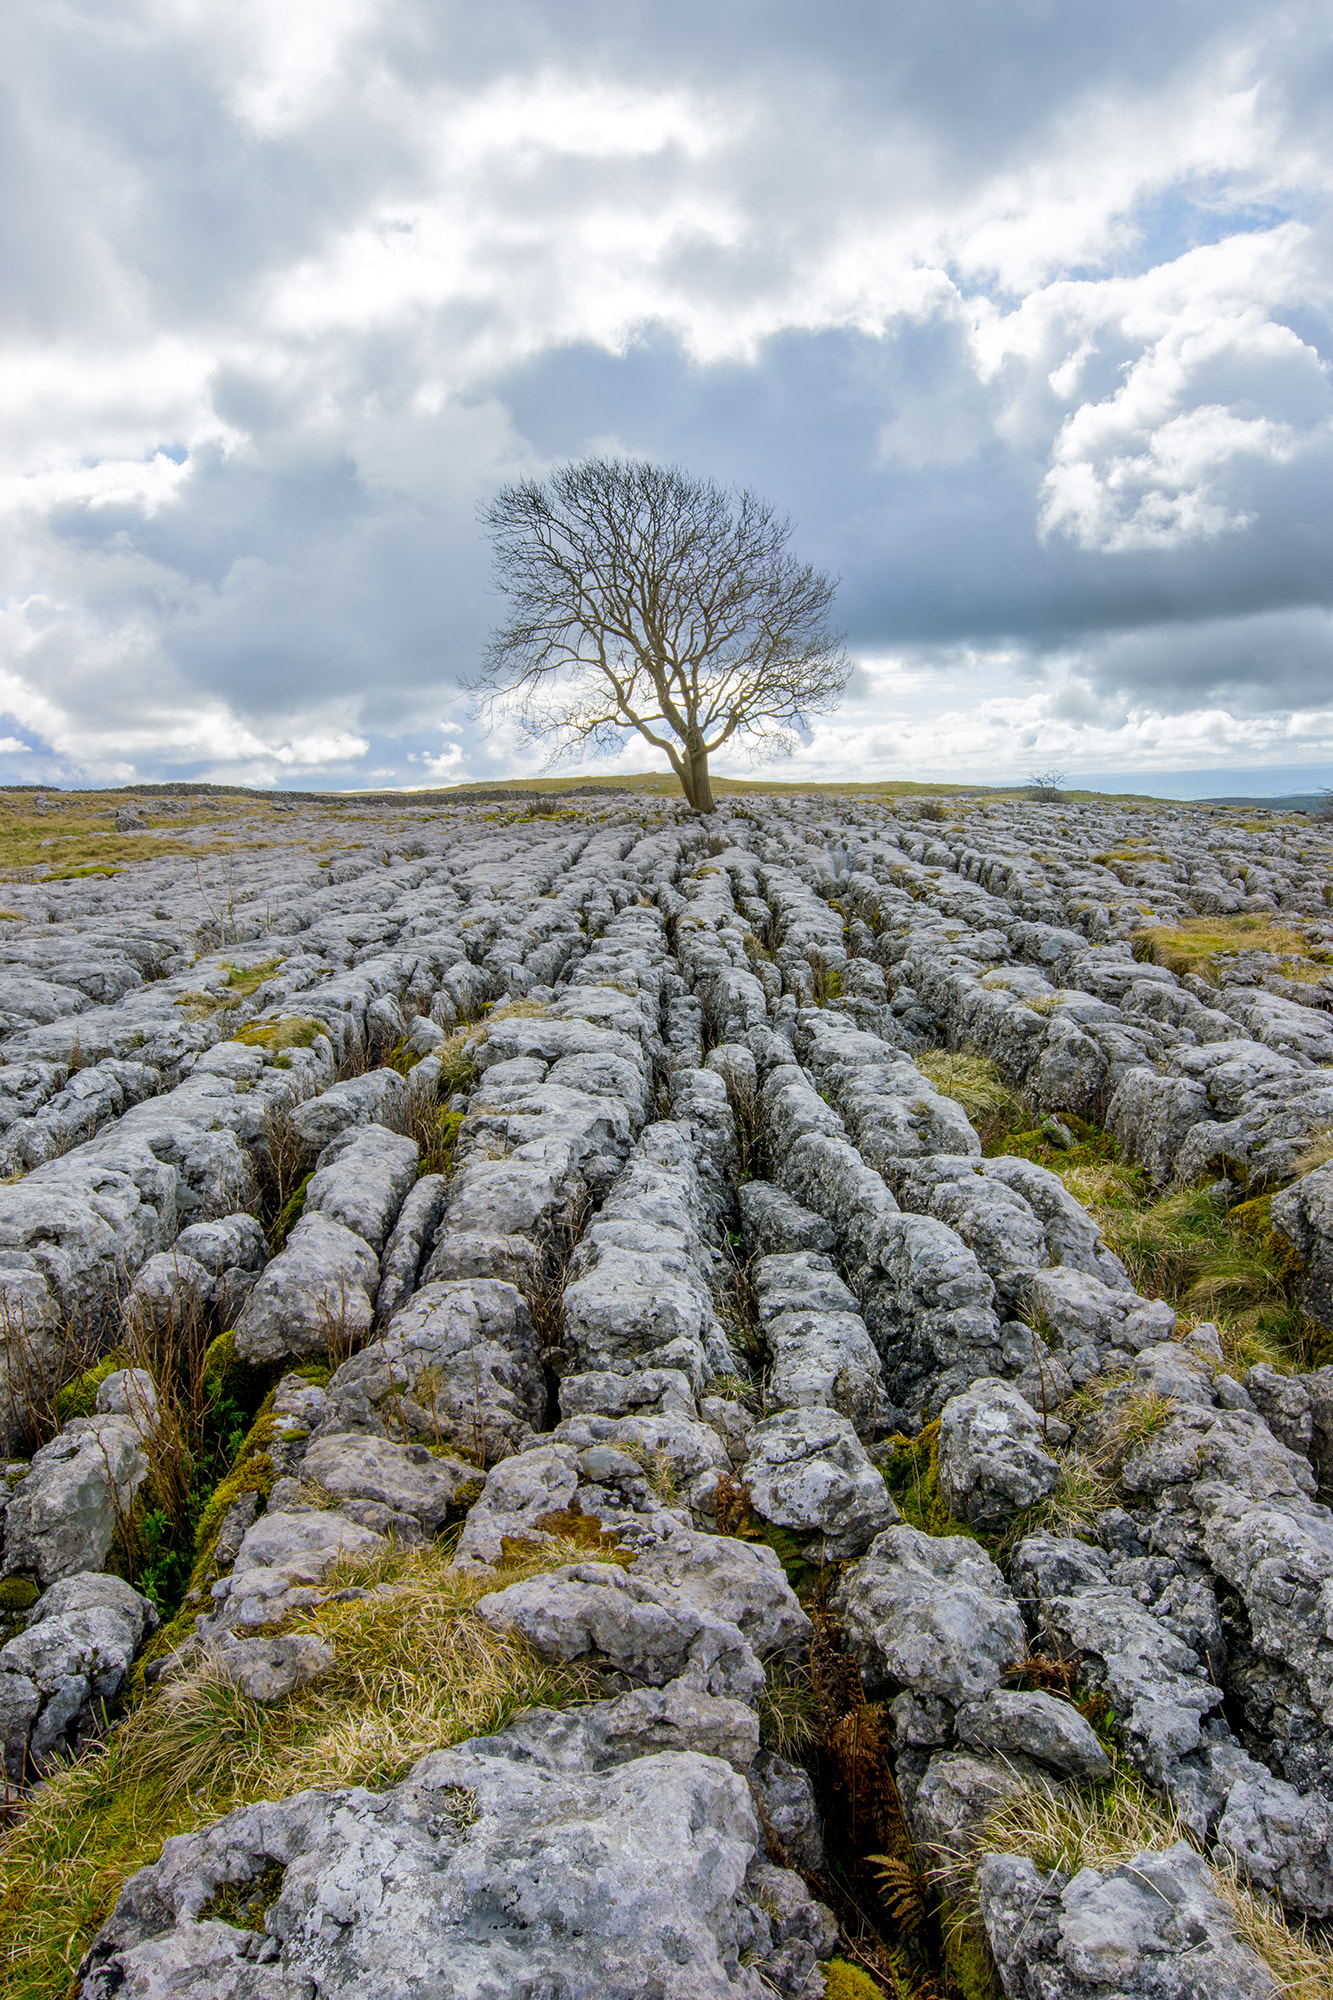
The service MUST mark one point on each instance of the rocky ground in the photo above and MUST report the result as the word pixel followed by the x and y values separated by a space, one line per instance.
pixel 609 1404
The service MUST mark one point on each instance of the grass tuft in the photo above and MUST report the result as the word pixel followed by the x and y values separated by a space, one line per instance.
pixel 1103 1824
pixel 415 1670
pixel 1200 943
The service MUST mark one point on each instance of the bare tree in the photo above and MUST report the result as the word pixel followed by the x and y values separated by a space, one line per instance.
pixel 642 598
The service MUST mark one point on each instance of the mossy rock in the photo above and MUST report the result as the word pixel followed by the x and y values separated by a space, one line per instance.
pixel 288 1216
pixel 967 1957
pixel 849 1982
pixel 227 1378
pixel 912 1474
pixel 244 1905
pixel 79 1397
pixel 17 1594
pixel 802 1574
pixel 291 1031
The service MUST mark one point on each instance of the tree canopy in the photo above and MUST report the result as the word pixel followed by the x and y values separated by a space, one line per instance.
pixel 642 598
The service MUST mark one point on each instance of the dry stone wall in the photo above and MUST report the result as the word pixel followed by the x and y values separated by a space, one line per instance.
pixel 703 1242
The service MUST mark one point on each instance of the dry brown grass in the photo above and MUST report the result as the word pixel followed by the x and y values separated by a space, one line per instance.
pixel 1197 944
pixel 415 1670
pixel 1103 1825
pixel 971 1080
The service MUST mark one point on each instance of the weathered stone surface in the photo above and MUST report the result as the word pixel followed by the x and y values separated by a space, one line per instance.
pixel 361 1100
pixel 281 1560
pixel 269 1669
pixel 60 1519
pixel 1281 1840
pixel 1015 1724
pixel 1152 1929
pixel 413 1485
pixel 361 1180
pixel 774 1223
pixel 485 1872
pixel 315 1298
pixel 931 1614
pixel 458 1365
pixel 807 1471
pixel 639 1627
pixel 75 1652
pixel 993 1457
pixel 897 1274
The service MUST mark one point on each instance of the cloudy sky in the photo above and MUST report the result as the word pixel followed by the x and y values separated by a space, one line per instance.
pixel 1021 308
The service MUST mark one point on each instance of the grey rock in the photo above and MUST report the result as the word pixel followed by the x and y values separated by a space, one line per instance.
pixel 520 1491
pixel 786 1797
pixel 413 1484
pixel 809 1472
pixel 20 1702
pixel 1036 1725
pixel 129 1392
pixel 75 1650
pixel 931 1614
pixel 279 1565
pixel 679 1716
pixel 458 1365
pixel 361 1180
pixel 61 1518
pixel 1158 1684
pixel 773 1222
pixel 822 1353
pixel 1282 1840
pixel 992 1455
pixel 659 1390
pixel 361 1100
pixel 1152 1929
pixel 949 1807
pixel 270 1669
pixel 636 1625
pixel 410 1244
pixel 315 1297
pixel 741 1583
pixel 464 1877
pixel 168 1289
pixel 226 1242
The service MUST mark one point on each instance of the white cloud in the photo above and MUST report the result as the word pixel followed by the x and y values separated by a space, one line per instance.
pixel 448 760
pixel 306 282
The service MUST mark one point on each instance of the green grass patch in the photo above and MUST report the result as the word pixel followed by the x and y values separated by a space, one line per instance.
pixel 415 1670
pixel 247 979
pixel 1199 944
pixel 1208 1262
pixel 290 1031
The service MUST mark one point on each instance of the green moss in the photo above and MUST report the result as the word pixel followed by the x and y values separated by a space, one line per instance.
pixel 848 1982
pixel 911 1469
pixel 244 1905
pixel 17 1594
pixel 290 1031
pixel 79 1398
pixel 967 1956
pixel 247 979
pixel 289 1215
pixel 227 1379
pixel 802 1574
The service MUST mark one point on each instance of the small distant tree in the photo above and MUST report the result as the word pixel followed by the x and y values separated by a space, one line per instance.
pixel 1047 786
pixel 642 598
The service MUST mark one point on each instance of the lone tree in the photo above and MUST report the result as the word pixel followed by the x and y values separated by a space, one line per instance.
pixel 641 598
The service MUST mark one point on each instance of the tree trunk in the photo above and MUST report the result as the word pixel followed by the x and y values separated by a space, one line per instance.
pixel 699 790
